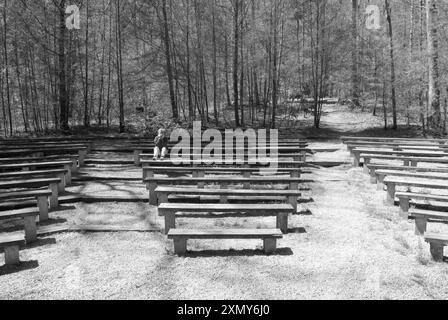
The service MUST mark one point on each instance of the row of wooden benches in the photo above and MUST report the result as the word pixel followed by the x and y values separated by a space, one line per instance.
pixel 53 176
pixel 163 189
pixel 410 176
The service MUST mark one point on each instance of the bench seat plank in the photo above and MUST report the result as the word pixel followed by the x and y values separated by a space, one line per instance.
pixel 225 233
pixel 269 237
pixel 281 211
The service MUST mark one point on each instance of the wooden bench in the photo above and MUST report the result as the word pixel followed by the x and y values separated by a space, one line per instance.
pixel 202 171
pixel 374 167
pixel 382 174
pixel 393 182
pixel 59 173
pixel 381 139
pixel 72 157
pixel 372 152
pixel 404 199
pixel 28 166
pixel 281 163
pixel 29 218
pixel 11 245
pixel 281 211
pixel 437 243
pixel 422 216
pixel 52 183
pixel 269 237
pixel 407 160
pixel 42 151
pixel 246 157
pixel 40 195
pixel 224 194
pixel 153 182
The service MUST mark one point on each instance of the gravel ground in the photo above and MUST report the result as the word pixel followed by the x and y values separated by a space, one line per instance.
pixel 349 245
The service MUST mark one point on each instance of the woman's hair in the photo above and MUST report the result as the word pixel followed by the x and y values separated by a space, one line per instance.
pixel 161 130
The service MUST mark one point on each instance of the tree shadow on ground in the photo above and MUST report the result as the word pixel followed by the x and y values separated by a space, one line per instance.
pixel 24 265
pixel 235 253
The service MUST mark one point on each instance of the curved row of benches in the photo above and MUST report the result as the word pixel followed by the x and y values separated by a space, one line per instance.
pixel 410 152
pixel 32 176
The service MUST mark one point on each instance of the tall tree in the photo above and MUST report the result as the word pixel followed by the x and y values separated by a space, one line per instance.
pixel 433 65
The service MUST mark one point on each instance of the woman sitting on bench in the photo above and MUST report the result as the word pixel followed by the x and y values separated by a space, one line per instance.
pixel 161 145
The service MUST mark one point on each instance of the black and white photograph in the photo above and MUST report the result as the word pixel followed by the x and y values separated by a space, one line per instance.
pixel 223 156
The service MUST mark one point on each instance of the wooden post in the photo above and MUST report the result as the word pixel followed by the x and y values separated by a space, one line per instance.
pixel 82 157
pixel 54 202
pixel 436 251
pixel 61 185
pixel 365 165
pixel 293 201
pixel 406 163
pixel 372 175
pixel 68 174
pixel 282 221
pixel 390 193
pixel 180 246
pixel 246 174
pixel 380 181
pixel 269 245
pixel 30 229
pixel 420 226
pixel 74 165
pixel 170 221
pixel 414 164
pixel 42 203
pixel 152 192
pixel 404 207
pixel 12 255
pixel 356 159
pixel 137 157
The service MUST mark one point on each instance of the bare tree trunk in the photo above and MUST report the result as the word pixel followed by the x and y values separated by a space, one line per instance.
pixel 236 21
pixel 433 63
pixel 392 66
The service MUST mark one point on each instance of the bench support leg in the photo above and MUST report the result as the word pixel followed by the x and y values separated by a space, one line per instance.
pixel 42 203
pixel 420 226
pixel 137 157
pixel 282 222
pixel 54 202
pixel 391 193
pixel 30 229
pixel 404 208
pixel 180 246
pixel 68 175
pixel 356 160
pixel 170 221
pixel 269 245
pixel 293 201
pixel 61 185
pixel 246 185
pixel 373 178
pixel 223 199
pixel 12 255
pixel 436 251
pixel 365 165
pixel 74 165
pixel 152 193
pixel 82 156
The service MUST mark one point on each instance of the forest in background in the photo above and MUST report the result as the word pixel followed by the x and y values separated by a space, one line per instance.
pixel 141 64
